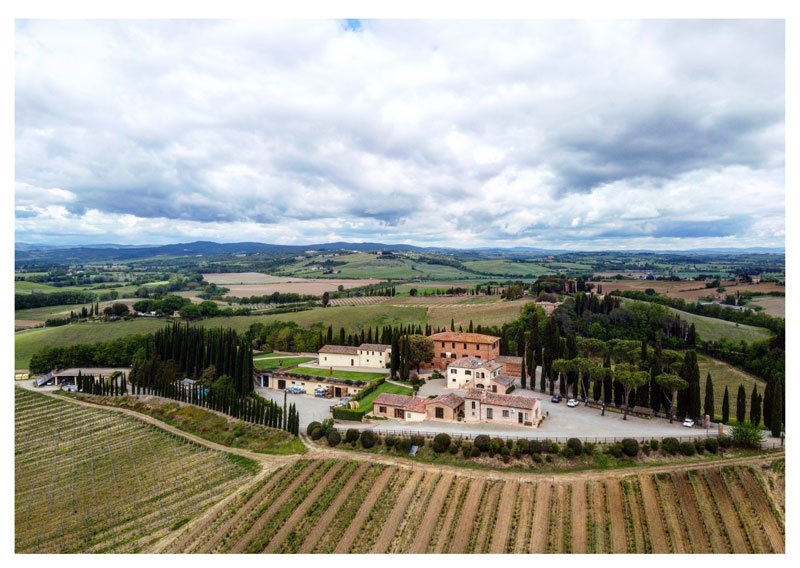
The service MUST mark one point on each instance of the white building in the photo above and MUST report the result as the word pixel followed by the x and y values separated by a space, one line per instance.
pixel 472 372
pixel 482 406
pixel 365 355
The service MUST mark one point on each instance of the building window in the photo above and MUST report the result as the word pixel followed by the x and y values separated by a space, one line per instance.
pixel 382 409
pixel 489 415
pixel 465 346
pixel 477 356
pixel 505 414
pixel 442 355
pixel 452 355
pixel 454 345
pixel 467 372
pixel 453 371
pixel 398 413
pixel 439 412
pixel 442 344
pixel 473 406
pixel 526 416
pixel 453 380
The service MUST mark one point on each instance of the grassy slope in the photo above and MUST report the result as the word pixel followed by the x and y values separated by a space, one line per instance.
pixel 710 329
pixel 506 267
pixel 41 314
pixel 723 375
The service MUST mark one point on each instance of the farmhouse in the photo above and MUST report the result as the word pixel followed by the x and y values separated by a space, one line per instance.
pixel 512 366
pixel 409 408
pixel 483 406
pixel 365 355
pixel 471 372
pixel 448 407
pixel 451 345
pixel 336 387
pixel 70 376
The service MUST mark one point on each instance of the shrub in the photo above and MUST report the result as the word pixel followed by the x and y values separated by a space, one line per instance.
pixel 615 450
pixel 494 447
pixel 524 446
pixel 569 453
pixel 466 448
pixel 452 448
pixel 671 445
pixel 334 438
pixel 517 452
pixel 589 448
pixel 537 457
pixel 403 444
pixel 687 448
pixel 654 444
pixel 712 445
pixel 368 438
pixel 546 446
pixel 554 448
pixel 535 447
pixel 575 445
pixel 630 447
pixel 548 458
pixel 646 449
pixel 506 458
pixel 351 435
pixel 353 415
pixel 316 433
pixel 500 442
pixel 725 442
pixel 310 428
pixel 699 447
pixel 476 453
pixel 390 441
pixel 418 441
pixel 441 442
pixel 746 435
pixel 510 444
pixel 505 451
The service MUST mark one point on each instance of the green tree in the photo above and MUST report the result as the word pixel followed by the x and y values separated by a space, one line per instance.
pixel 741 404
pixel 631 378
pixel 755 406
pixel 522 375
pixel 420 349
pixel 776 420
pixel 672 384
pixel 326 298
pixel 726 406
pixel 708 404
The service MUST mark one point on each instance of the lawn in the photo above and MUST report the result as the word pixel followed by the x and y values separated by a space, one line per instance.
pixel 278 362
pixel 353 375
pixel 389 388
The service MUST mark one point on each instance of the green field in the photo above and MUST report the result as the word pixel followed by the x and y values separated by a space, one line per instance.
pixel 62 311
pixel 723 375
pixel 507 267
pixel 496 313
pixel 353 375
pixel 280 362
pixel 711 329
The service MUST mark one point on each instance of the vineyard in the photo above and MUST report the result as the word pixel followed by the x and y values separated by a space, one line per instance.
pixel 340 506
pixel 89 480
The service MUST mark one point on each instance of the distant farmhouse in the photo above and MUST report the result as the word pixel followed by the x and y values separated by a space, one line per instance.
pixel 365 355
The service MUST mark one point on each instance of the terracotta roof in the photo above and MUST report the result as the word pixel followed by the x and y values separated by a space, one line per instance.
pixel 508 359
pixel 450 399
pixel 340 349
pixel 374 347
pixel 410 403
pixel 462 337
pixel 474 363
pixel 496 399
pixel 504 380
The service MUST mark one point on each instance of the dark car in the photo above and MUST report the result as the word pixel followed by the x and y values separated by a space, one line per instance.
pixel 556 398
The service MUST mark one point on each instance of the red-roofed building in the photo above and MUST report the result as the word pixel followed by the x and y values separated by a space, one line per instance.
pixel 451 345
pixel 483 406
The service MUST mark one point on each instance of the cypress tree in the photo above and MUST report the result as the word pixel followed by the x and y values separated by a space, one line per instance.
pixel 767 409
pixel 708 403
pixel 607 381
pixel 726 409
pixel 741 404
pixel 776 420
pixel 755 406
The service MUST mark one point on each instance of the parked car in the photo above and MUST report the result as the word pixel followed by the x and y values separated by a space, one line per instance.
pixel 572 403
pixel 689 423
pixel 556 398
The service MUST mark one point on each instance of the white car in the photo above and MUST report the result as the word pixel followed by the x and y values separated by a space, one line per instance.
pixel 689 423
pixel 572 403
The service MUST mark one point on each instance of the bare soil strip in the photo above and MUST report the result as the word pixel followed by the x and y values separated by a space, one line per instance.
pixel 275 506
pixel 754 526
pixel 526 496
pixel 616 508
pixel 558 515
pixel 446 526
pixel 699 535
pixel 488 514
pixel 638 522
pixel 352 530
pixel 653 514
pixel 505 511
pixel 322 524
pixel 727 511
pixel 298 514
pixel 541 517
pixel 602 535
pixel 579 517
pixel 706 506
pixel 764 510
pixel 389 529
pixel 674 521
pixel 467 515
pixel 431 516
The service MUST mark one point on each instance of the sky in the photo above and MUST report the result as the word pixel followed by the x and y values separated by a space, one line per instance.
pixel 579 135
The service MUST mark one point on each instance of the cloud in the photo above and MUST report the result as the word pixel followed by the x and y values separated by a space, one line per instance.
pixel 468 133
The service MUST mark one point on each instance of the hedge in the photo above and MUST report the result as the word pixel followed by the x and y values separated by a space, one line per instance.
pixel 352 414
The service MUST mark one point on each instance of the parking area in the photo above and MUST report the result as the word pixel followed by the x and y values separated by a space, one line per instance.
pixel 311 409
